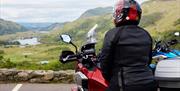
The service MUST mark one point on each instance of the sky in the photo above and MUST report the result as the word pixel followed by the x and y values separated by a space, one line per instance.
pixel 48 10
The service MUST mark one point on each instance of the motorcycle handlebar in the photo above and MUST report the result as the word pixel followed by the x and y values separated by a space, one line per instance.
pixel 70 58
pixel 173 42
pixel 165 45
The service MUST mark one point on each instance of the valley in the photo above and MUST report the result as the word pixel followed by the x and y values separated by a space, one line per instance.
pixel 160 17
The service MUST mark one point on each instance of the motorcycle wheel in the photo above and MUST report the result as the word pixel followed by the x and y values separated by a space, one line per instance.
pixel 82 89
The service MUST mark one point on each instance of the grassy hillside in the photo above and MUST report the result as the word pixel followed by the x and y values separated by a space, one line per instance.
pixel 80 27
pixel 31 57
pixel 53 26
pixel 97 12
pixel 8 27
pixel 160 17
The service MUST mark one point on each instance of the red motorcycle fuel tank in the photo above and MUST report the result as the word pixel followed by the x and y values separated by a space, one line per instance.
pixel 96 81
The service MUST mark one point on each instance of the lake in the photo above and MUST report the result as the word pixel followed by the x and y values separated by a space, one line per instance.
pixel 31 41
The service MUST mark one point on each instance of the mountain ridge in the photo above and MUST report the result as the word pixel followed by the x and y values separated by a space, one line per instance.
pixel 158 17
pixel 9 27
pixel 96 12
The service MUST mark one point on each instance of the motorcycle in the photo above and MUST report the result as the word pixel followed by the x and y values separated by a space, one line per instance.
pixel 88 76
pixel 163 51
pixel 167 66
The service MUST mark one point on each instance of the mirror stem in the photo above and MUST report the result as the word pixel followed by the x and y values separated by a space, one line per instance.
pixel 74 46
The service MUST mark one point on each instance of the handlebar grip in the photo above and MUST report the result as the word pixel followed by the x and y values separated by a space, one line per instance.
pixel 173 42
pixel 70 58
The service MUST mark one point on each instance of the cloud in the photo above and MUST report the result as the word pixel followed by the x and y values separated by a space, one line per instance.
pixel 48 10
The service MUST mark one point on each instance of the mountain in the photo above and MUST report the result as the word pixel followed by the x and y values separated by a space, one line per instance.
pixel 78 28
pixel 160 17
pixel 97 11
pixel 35 26
pixel 53 26
pixel 9 27
pixel 42 26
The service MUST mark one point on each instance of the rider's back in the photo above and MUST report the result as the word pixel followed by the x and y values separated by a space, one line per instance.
pixel 131 53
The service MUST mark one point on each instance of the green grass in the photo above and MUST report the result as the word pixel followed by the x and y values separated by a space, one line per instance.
pixel 31 56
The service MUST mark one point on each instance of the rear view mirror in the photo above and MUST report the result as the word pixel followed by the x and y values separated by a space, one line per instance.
pixel 177 34
pixel 65 38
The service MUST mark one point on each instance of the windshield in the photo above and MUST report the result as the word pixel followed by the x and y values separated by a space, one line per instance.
pixel 91 35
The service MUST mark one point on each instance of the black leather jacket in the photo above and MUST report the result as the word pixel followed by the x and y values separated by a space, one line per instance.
pixel 125 56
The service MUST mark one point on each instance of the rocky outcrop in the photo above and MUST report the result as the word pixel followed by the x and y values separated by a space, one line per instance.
pixel 36 76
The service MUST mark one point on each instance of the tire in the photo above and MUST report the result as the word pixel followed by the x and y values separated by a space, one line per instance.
pixel 81 89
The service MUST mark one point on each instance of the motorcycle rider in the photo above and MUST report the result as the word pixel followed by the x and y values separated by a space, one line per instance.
pixel 127 51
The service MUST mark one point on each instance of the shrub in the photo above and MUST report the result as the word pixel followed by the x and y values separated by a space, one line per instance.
pixel 177 22
pixel 6 63
pixel 2 52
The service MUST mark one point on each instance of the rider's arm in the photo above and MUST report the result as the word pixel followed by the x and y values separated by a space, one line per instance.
pixel 151 48
pixel 105 56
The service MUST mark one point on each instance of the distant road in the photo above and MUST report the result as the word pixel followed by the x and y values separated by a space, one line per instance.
pixel 36 87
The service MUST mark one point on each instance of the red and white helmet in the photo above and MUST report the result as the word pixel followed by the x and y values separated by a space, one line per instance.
pixel 127 11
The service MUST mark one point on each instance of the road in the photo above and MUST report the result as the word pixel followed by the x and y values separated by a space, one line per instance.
pixel 36 87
